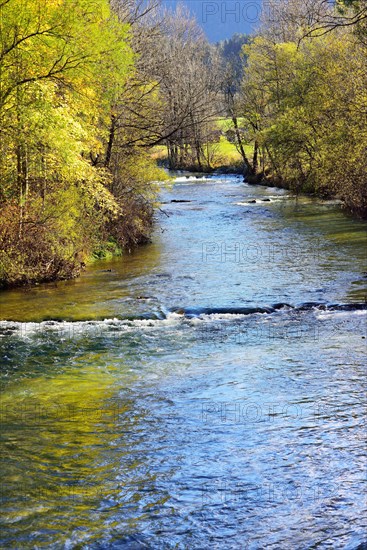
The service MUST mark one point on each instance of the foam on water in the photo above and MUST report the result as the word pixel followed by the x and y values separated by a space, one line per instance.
pixel 262 202
pixel 187 179
pixel 190 317
pixel 68 328
pixel 338 314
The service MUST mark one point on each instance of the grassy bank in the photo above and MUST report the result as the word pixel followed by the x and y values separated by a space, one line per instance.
pixel 219 155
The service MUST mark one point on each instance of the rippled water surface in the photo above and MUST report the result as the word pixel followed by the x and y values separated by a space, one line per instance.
pixel 206 391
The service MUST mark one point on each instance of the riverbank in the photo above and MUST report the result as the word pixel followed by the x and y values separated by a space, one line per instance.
pixel 110 248
pixel 43 253
pixel 247 203
pixel 228 160
pixel 359 212
pixel 263 180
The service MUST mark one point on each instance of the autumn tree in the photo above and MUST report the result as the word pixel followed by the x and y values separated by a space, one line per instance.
pixel 188 77
pixel 57 63
pixel 311 119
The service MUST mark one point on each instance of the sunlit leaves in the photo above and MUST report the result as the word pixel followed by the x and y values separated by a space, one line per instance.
pixel 310 103
pixel 62 63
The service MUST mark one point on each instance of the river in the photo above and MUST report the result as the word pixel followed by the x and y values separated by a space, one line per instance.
pixel 204 392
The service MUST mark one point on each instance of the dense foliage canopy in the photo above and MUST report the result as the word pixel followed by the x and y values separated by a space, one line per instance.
pixel 88 89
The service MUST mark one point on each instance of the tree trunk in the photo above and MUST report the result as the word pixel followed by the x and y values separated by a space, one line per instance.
pixel 111 139
pixel 241 148
pixel 255 158
pixel 23 182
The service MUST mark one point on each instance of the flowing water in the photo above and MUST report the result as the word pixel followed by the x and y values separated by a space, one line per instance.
pixel 206 391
